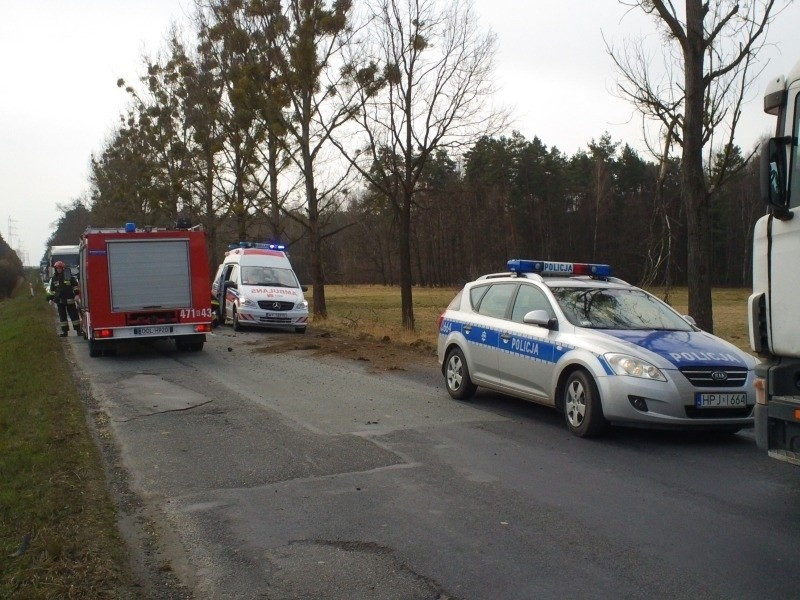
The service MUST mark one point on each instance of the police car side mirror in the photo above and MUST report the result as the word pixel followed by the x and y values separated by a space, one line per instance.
pixel 230 284
pixel 304 288
pixel 540 318
pixel 690 320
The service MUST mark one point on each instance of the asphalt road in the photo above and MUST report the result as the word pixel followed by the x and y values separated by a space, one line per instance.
pixel 243 474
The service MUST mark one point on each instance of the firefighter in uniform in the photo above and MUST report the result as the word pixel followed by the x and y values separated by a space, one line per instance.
pixel 62 290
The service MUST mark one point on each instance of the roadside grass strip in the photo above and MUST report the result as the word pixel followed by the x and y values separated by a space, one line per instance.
pixel 58 531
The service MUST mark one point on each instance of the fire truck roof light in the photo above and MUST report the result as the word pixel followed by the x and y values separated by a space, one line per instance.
pixel 130 227
pixel 558 268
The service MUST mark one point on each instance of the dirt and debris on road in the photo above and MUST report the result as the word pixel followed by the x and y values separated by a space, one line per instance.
pixel 380 354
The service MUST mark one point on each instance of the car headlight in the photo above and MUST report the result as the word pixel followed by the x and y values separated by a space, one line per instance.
pixel 247 302
pixel 623 364
pixel 303 304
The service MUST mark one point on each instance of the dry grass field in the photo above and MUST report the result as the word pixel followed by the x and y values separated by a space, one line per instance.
pixel 374 311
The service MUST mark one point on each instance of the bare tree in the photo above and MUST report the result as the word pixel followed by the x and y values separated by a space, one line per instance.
pixel 425 82
pixel 315 34
pixel 709 63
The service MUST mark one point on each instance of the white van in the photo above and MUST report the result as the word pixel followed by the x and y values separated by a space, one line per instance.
pixel 255 286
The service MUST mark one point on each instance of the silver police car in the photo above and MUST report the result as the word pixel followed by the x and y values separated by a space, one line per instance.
pixel 594 347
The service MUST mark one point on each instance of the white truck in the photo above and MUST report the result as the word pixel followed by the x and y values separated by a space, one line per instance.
pixel 774 306
pixel 66 254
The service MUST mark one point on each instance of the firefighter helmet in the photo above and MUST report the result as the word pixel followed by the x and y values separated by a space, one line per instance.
pixel 58 264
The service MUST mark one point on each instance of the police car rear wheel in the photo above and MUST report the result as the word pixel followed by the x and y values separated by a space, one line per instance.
pixel 456 375
pixel 582 409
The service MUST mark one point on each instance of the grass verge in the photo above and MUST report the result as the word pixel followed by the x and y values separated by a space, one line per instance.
pixel 375 311
pixel 58 531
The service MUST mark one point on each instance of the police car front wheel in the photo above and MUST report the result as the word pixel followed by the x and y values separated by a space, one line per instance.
pixel 456 375
pixel 582 409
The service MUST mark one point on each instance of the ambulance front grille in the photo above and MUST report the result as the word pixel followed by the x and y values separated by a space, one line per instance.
pixel 275 305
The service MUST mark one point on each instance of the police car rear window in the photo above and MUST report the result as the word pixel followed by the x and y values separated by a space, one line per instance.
pixel 494 302
pixel 476 294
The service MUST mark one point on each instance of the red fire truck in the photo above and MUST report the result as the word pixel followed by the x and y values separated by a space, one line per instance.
pixel 144 285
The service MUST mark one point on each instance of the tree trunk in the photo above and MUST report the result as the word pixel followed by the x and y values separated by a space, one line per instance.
pixel 406 300
pixel 315 235
pixel 698 224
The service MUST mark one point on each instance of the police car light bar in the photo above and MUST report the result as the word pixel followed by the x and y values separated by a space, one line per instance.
pixel 558 268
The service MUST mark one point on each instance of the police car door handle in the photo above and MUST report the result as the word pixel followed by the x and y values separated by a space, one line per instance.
pixel 467 329
pixel 505 336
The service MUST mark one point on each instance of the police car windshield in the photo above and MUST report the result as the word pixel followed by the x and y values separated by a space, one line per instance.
pixel 270 276
pixel 613 308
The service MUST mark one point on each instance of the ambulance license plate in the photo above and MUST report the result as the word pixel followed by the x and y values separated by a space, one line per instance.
pixel 156 330
pixel 717 400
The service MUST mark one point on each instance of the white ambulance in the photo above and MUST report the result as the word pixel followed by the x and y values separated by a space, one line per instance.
pixel 255 286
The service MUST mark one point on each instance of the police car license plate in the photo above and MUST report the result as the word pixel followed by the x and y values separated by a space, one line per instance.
pixel 272 316
pixel 716 400
pixel 156 330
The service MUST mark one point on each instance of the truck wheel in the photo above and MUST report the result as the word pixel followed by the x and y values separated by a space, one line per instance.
pixel 196 346
pixel 299 329
pixel 582 409
pixel 235 317
pixel 95 348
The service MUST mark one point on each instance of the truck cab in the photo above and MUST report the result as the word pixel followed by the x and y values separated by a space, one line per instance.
pixel 66 254
pixel 773 314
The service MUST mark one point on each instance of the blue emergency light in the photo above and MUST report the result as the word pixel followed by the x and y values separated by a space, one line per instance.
pixel 542 267
pixel 260 246
pixel 130 227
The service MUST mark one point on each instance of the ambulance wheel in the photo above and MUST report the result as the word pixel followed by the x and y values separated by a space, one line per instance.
pixel 456 376
pixel 582 409
pixel 237 326
pixel 299 329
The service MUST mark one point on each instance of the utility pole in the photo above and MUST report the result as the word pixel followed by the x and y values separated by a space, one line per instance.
pixel 13 241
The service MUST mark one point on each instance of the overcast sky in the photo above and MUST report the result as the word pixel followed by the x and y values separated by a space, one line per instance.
pixel 61 59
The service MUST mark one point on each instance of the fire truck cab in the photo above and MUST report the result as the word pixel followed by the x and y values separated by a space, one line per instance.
pixel 144 285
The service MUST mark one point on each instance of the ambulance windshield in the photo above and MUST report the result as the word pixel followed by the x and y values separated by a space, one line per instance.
pixel 269 276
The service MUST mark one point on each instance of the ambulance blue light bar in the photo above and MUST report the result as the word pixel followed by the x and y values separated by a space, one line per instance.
pixel 267 246
pixel 558 268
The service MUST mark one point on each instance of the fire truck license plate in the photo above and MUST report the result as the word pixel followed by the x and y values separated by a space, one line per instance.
pixel 720 400
pixel 159 330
